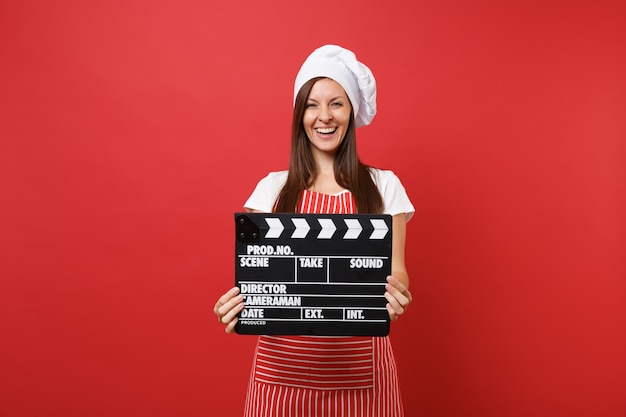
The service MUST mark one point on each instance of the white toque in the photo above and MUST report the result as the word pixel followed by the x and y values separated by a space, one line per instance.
pixel 341 65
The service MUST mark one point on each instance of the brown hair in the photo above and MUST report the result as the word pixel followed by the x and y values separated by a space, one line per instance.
pixel 350 172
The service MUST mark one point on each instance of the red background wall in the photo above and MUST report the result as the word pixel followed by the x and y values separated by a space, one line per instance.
pixel 131 131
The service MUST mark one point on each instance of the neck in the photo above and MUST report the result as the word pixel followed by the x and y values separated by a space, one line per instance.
pixel 324 163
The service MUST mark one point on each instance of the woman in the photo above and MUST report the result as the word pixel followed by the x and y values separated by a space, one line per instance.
pixel 330 376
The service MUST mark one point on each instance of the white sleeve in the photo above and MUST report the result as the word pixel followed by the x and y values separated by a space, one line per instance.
pixel 266 192
pixel 395 198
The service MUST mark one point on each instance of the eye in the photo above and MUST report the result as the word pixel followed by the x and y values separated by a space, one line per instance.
pixel 310 104
pixel 336 104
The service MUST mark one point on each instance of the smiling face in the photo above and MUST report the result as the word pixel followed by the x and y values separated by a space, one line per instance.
pixel 326 116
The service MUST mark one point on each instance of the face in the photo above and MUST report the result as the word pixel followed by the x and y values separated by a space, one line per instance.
pixel 326 116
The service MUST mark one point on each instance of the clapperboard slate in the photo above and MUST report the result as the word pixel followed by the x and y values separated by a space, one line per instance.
pixel 313 274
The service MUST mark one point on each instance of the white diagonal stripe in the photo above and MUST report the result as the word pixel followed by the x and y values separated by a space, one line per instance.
pixel 276 228
pixel 380 229
pixel 354 229
pixel 302 228
pixel 328 228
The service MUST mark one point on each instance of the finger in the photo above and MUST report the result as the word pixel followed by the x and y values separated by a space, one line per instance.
pixel 230 328
pixel 404 299
pixel 394 282
pixel 392 314
pixel 401 298
pixel 225 308
pixel 228 311
pixel 231 313
pixel 394 304
pixel 225 298
pixel 399 290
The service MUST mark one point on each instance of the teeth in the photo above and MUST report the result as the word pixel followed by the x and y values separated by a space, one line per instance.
pixel 325 130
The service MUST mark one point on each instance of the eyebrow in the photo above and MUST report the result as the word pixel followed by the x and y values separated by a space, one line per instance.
pixel 332 99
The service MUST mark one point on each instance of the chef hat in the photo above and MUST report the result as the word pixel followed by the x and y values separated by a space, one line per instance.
pixel 341 65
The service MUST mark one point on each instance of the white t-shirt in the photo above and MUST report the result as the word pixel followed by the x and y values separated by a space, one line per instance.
pixel 395 198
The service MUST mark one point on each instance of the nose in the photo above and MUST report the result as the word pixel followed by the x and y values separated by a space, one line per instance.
pixel 325 114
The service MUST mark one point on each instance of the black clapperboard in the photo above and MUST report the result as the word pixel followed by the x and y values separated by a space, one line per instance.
pixel 313 274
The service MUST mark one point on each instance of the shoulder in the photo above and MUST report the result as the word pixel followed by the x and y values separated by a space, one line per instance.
pixel 384 177
pixel 274 179
pixel 266 191
pixel 395 197
pixel 278 175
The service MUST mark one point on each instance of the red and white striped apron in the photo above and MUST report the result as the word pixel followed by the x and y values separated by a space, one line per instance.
pixel 319 376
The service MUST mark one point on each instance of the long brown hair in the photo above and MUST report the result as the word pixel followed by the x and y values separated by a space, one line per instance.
pixel 350 172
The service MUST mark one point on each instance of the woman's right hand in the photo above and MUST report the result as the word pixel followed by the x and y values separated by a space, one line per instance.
pixel 227 308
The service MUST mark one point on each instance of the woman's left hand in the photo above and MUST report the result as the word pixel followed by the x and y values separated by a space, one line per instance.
pixel 398 297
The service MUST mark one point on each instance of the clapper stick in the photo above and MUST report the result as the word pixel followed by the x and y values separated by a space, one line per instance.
pixel 313 274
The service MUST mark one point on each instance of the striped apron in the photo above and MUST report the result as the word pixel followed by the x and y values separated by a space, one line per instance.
pixel 321 376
